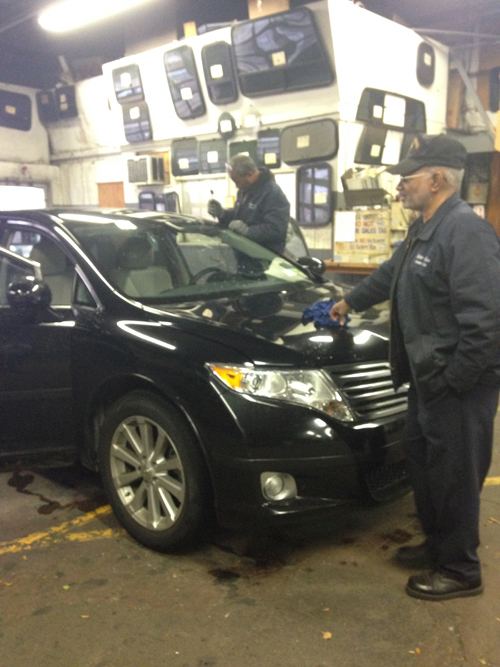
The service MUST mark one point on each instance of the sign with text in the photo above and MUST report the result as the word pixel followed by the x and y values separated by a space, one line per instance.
pixel 372 237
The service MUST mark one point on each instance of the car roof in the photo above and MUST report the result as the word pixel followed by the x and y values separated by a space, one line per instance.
pixel 79 214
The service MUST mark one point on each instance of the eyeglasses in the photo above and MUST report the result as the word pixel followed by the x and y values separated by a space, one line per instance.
pixel 405 179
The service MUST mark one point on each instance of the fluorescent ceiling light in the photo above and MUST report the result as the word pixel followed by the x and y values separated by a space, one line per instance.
pixel 72 14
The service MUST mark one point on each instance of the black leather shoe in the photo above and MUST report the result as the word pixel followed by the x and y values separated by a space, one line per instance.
pixel 439 586
pixel 418 556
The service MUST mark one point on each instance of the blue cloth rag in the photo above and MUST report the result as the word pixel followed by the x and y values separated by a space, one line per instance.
pixel 319 314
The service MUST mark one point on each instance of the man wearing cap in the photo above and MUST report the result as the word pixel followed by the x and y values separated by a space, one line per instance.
pixel 444 286
pixel 261 211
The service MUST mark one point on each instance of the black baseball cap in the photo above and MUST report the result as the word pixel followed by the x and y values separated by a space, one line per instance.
pixel 428 150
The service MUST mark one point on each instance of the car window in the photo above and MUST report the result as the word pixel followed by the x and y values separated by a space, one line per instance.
pixel 57 269
pixel 83 297
pixel 156 262
pixel 22 242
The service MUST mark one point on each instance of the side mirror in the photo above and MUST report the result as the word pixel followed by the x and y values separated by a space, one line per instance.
pixel 316 266
pixel 28 294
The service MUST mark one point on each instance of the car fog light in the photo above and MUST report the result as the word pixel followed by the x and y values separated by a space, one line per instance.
pixel 278 485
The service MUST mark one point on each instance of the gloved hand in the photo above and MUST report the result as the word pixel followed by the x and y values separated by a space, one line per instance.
pixel 239 227
pixel 215 208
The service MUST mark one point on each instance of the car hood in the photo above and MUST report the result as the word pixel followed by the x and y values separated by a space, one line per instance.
pixel 269 328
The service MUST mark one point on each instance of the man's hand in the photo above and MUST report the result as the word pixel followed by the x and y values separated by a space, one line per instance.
pixel 239 227
pixel 339 311
pixel 214 208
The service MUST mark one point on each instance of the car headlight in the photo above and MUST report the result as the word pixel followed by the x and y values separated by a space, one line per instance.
pixel 313 388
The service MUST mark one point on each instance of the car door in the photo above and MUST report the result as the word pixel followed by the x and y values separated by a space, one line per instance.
pixel 36 402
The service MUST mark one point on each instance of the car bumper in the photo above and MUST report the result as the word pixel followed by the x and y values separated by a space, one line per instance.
pixel 332 464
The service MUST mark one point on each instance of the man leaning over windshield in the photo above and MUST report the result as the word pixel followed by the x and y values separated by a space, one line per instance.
pixel 261 211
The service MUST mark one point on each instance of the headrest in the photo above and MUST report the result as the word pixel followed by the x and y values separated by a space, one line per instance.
pixel 103 251
pixel 52 260
pixel 136 253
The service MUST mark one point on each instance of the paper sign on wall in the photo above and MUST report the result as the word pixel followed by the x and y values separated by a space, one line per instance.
pixel 279 58
pixel 394 110
pixel 345 226
pixel 216 71
pixel 371 239
pixel 126 79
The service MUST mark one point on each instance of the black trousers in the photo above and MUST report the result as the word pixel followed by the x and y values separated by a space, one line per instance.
pixel 449 447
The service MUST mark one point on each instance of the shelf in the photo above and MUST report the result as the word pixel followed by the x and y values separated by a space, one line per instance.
pixel 342 267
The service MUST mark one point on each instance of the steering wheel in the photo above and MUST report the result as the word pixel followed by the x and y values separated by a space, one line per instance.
pixel 218 274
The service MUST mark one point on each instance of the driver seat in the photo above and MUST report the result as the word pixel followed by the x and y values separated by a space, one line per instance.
pixel 136 275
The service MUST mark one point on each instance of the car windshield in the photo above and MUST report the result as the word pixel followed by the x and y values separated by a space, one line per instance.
pixel 158 259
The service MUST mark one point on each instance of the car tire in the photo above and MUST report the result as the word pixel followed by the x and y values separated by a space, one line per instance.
pixel 154 473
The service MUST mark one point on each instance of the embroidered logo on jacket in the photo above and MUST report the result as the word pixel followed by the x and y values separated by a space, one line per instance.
pixel 422 260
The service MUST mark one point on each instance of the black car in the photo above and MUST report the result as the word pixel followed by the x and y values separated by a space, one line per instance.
pixel 173 356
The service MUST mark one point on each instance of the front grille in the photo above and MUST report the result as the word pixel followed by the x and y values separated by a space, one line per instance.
pixel 369 390
pixel 388 481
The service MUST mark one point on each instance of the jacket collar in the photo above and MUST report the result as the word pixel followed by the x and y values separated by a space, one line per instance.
pixel 424 232
pixel 264 176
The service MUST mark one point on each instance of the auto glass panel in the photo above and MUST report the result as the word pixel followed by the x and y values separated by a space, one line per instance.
pixel 183 82
pixel 184 160
pixel 280 52
pixel 244 147
pixel 371 145
pixel 268 149
pixel 136 122
pixel 213 156
pixel 314 192
pixel 305 142
pixel 426 64
pixel 15 110
pixel 155 262
pixel 127 84
pixel 386 109
pixel 219 72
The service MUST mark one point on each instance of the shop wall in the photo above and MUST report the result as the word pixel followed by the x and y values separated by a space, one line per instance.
pixel 20 146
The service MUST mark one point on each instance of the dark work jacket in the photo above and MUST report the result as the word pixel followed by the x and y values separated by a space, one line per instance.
pixel 265 209
pixel 444 286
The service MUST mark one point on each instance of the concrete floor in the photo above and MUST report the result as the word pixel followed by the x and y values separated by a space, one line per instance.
pixel 75 591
